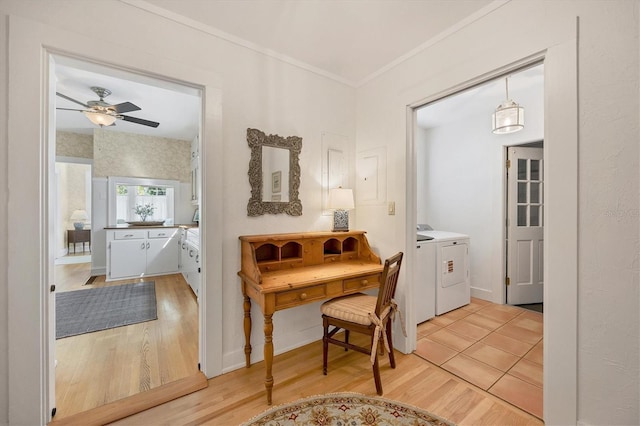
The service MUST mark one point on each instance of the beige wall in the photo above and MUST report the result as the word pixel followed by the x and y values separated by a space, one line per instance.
pixel 74 145
pixel 131 155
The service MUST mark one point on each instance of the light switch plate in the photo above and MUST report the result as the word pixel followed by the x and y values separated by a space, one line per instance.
pixel 392 208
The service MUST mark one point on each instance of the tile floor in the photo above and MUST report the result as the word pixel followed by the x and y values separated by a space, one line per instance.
pixel 495 347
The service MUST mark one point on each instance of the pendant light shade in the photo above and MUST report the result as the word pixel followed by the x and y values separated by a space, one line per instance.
pixel 508 117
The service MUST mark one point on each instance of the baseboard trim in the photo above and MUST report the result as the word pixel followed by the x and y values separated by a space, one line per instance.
pixel 99 271
pixel 134 404
pixel 482 293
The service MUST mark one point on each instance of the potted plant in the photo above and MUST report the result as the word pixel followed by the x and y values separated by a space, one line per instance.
pixel 144 211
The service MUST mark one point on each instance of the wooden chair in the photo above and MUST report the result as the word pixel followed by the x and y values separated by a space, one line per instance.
pixel 364 314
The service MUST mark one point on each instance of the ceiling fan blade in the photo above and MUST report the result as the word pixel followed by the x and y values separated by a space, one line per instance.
pixel 71 99
pixel 126 107
pixel 71 109
pixel 139 121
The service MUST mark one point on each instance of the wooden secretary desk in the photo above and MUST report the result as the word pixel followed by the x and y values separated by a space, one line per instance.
pixel 281 271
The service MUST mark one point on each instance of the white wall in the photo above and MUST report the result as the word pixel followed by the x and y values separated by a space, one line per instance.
pixel 4 241
pixel 460 183
pixel 257 91
pixel 263 93
pixel 607 299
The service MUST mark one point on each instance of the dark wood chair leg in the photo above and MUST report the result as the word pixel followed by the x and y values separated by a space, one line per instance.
pixel 376 372
pixel 392 358
pixel 346 338
pixel 325 345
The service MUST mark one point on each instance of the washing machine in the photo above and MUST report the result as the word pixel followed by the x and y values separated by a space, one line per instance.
pixel 446 261
pixel 425 288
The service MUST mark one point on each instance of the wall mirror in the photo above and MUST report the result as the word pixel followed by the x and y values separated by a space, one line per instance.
pixel 274 174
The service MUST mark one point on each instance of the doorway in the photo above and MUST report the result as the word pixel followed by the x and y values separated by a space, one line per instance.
pixel 460 187
pixel 459 180
pixel 100 367
pixel 72 207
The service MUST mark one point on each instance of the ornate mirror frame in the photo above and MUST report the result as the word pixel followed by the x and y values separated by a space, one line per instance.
pixel 256 206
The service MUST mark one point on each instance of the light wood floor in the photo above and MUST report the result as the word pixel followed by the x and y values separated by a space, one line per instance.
pixel 94 369
pixel 239 395
pixel 495 347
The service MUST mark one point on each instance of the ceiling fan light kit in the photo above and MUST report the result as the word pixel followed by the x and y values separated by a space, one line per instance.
pixel 508 116
pixel 103 114
pixel 100 118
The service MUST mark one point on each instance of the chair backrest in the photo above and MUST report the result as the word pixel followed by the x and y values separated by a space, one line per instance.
pixel 389 282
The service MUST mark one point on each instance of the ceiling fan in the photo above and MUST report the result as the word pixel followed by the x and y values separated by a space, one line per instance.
pixel 102 113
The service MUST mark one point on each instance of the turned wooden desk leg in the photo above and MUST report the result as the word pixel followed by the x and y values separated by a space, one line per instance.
pixel 268 354
pixel 247 327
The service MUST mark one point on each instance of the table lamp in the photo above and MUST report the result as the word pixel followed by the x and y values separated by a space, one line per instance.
pixel 340 199
pixel 78 217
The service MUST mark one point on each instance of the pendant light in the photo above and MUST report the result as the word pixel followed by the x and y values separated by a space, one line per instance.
pixel 508 117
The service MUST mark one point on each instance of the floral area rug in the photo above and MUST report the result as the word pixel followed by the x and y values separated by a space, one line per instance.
pixel 346 409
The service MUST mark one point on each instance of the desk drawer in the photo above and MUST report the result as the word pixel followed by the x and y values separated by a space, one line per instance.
pixel 298 297
pixel 368 281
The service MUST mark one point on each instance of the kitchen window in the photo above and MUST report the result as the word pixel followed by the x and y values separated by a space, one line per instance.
pixel 126 193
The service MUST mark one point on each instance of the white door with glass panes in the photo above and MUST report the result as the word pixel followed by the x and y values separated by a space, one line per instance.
pixel 525 222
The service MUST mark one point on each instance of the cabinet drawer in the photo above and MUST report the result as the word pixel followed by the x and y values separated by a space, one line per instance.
pixel 368 281
pixel 162 233
pixel 297 297
pixel 133 234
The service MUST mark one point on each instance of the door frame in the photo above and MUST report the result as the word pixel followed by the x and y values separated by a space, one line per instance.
pixel 560 384
pixel 49 87
pixel 30 149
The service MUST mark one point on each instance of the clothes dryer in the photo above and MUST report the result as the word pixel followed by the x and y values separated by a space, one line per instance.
pixel 450 257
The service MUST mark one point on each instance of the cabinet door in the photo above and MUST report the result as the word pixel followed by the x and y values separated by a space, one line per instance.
pixel 195 170
pixel 195 181
pixel 128 258
pixel 162 255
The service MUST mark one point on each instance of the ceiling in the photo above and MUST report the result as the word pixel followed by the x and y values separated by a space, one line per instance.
pixel 350 41
pixel 176 107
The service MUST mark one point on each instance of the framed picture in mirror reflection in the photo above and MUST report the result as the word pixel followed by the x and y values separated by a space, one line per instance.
pixel 276 181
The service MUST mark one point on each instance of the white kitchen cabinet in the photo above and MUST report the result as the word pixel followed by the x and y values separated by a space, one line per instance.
pixel 162 256
pixel 128 259
pixel 137 253
pixel 195 171
pixel 190 263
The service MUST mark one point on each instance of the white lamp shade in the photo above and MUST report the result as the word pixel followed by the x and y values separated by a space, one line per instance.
pixel 341 199
pixel 100 118
pixel 79 215
pixel 508 118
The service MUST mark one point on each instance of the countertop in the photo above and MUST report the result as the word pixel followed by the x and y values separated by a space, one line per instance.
pixel 127 226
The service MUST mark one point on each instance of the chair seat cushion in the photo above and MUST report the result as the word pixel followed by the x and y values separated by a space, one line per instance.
pixel 353 308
